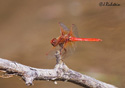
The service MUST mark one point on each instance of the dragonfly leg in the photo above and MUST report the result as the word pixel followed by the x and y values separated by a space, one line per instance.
pixel 63 49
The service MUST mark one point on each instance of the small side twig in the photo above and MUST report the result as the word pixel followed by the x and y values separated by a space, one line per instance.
pixel 60 73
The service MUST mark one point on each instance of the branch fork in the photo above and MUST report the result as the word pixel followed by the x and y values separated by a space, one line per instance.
pixel 61 72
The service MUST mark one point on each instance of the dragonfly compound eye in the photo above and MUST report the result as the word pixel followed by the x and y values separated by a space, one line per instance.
pixel 53 41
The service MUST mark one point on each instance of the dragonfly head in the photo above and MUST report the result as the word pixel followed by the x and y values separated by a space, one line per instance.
pixel 53 42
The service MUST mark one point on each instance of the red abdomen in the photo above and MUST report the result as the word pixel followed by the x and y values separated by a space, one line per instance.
pixel 85 39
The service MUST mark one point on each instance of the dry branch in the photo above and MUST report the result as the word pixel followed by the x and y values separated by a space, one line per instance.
pixel 60 73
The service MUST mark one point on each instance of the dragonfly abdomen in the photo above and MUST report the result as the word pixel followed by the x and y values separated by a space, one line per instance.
pixel 84 39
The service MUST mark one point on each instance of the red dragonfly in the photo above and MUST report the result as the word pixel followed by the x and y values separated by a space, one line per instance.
pixel 68 38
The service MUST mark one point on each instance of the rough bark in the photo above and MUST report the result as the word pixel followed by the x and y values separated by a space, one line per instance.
pixel 60 73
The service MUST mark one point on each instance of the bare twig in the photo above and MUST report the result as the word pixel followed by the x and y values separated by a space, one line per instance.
pixel 60 73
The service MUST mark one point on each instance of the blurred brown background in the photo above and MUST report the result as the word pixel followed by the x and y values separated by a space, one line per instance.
pixel 27 26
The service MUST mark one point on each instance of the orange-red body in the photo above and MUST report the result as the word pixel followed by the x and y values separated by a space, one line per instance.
pixel 63 39
pixel 68 36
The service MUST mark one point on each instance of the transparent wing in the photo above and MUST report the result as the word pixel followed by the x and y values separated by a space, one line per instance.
pixel 51 53
pixel 65 30
pixel 63 27
pixel 74 31
pixel 70 49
